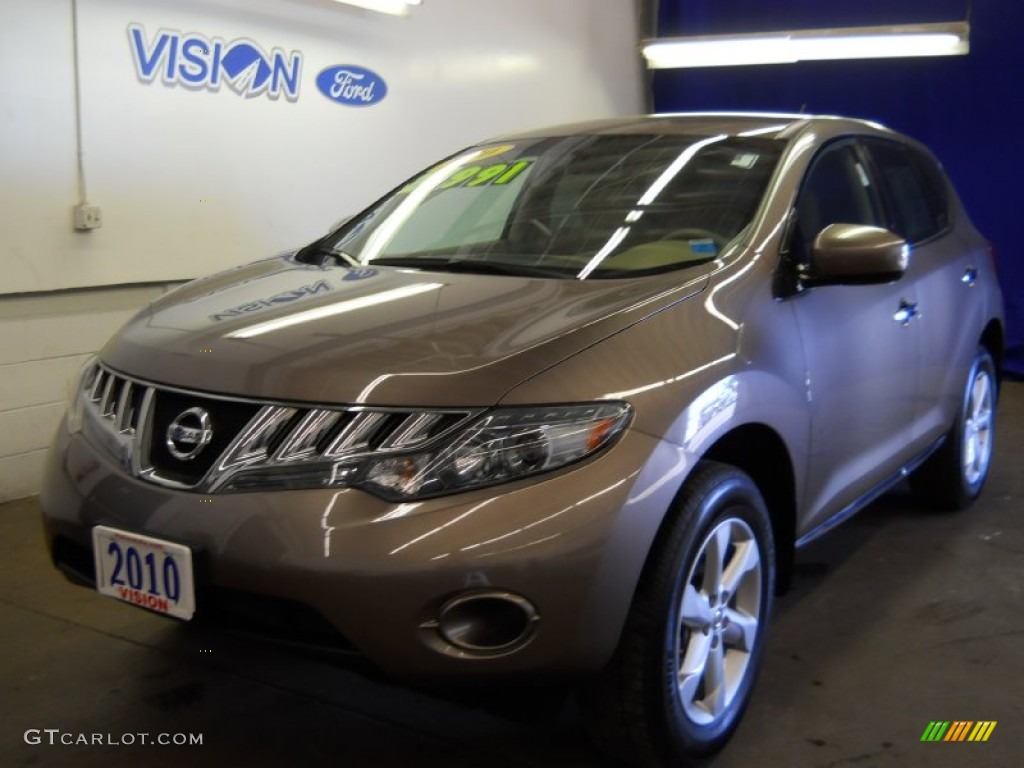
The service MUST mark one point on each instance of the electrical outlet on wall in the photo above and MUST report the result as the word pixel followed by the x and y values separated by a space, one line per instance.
pixel 87 217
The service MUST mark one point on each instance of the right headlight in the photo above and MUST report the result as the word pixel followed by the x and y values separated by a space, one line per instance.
pixel 504 445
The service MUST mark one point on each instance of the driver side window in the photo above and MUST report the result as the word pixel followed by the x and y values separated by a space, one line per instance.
pixel 836 190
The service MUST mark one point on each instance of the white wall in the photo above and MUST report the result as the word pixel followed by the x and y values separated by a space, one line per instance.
pixel 191 181
pixel 44 341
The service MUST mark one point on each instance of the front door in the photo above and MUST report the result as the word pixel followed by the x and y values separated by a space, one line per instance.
pixel 860 346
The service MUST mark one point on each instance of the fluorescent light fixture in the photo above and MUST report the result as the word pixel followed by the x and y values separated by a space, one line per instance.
pixel 330 310
pixel 945 39
pixel 394 7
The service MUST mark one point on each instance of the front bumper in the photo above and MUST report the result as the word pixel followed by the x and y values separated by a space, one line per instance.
pixel 572 544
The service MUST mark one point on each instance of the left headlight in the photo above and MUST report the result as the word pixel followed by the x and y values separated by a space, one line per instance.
pixel 500 446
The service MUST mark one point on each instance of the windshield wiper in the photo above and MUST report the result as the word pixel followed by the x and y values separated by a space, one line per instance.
pixel 341 257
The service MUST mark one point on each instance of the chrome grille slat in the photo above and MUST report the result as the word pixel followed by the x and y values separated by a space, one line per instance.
pixel 122 415
pixel 356 436
pixel 139 451
pixel 302 441
pixel 120 420
pixel 98 382
pixel 253 444
pixel 105 398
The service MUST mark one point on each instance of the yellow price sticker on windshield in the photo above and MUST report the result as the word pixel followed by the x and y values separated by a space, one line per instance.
pixel 474 176
pixel 479 176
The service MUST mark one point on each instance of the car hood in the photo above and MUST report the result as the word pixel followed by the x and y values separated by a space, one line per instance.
pixel 277 329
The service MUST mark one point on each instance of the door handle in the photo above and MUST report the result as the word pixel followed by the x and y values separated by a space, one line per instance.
pixel 970 277
pixel 908 311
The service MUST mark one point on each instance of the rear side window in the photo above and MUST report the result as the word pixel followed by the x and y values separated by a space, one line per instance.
pixel 914 190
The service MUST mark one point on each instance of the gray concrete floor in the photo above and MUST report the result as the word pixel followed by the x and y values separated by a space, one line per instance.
pixel 898 618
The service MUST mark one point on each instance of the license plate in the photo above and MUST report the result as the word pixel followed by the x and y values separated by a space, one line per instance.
pixel 144 571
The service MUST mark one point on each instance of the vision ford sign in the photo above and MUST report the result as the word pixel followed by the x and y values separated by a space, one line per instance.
pixel 351 85
pixel 198 62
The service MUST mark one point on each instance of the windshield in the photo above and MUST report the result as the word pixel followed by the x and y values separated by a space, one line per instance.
pixel 583 207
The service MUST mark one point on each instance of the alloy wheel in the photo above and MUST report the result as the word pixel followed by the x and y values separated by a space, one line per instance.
pixel 977 441
pixel 718 620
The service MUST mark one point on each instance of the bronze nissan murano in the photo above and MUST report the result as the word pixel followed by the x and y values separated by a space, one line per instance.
pixel 558 408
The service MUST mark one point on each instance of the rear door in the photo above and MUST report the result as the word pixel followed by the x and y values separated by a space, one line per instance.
pixel 942 267
pixel 860 346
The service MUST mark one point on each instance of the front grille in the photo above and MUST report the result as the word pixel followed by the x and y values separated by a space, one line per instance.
pixel 116 399
pixel 203 442
pixel 227 419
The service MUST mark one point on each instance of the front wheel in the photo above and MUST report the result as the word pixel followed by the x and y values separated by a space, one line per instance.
pixel 693 641
pixel 953 476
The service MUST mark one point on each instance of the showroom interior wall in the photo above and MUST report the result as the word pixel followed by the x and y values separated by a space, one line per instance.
pixel 965 108
pixel 206 142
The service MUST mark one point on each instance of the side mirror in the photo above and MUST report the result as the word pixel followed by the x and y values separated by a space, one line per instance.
pixel 855 254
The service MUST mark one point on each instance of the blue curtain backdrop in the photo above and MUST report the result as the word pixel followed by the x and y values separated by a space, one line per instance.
pixel 968 109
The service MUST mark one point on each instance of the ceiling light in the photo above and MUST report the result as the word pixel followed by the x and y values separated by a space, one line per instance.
pixel 947 39
pixel 394 7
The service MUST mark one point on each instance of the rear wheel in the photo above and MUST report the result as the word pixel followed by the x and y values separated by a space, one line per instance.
pixel 953 477
pixel 693 642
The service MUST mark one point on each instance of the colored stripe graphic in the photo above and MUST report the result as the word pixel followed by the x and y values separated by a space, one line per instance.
pixel 958 730
pixel 982 730
pixel 935 730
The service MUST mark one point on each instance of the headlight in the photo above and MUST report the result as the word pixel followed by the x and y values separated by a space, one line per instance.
pixel 501 446
pixel 80 383
pixel 505 445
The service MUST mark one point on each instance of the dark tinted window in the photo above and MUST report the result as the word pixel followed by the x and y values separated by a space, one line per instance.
pixel 914 190
pixel 836 190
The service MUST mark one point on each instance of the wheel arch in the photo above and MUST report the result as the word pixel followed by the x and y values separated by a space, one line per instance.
pixel 759 451
pixel 993 340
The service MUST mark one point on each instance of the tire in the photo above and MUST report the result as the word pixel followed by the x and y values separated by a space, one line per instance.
pixel 689 654
pixel 953 476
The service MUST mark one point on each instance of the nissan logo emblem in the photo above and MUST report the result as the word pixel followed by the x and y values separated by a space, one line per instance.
pixel 189 434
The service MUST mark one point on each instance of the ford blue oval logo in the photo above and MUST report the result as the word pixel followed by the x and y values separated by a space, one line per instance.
pixel 351 85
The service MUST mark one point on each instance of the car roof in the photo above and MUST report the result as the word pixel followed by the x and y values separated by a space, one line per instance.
pixel 767 124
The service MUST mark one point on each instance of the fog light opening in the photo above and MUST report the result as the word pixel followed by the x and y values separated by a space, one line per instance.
pixel 487 621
